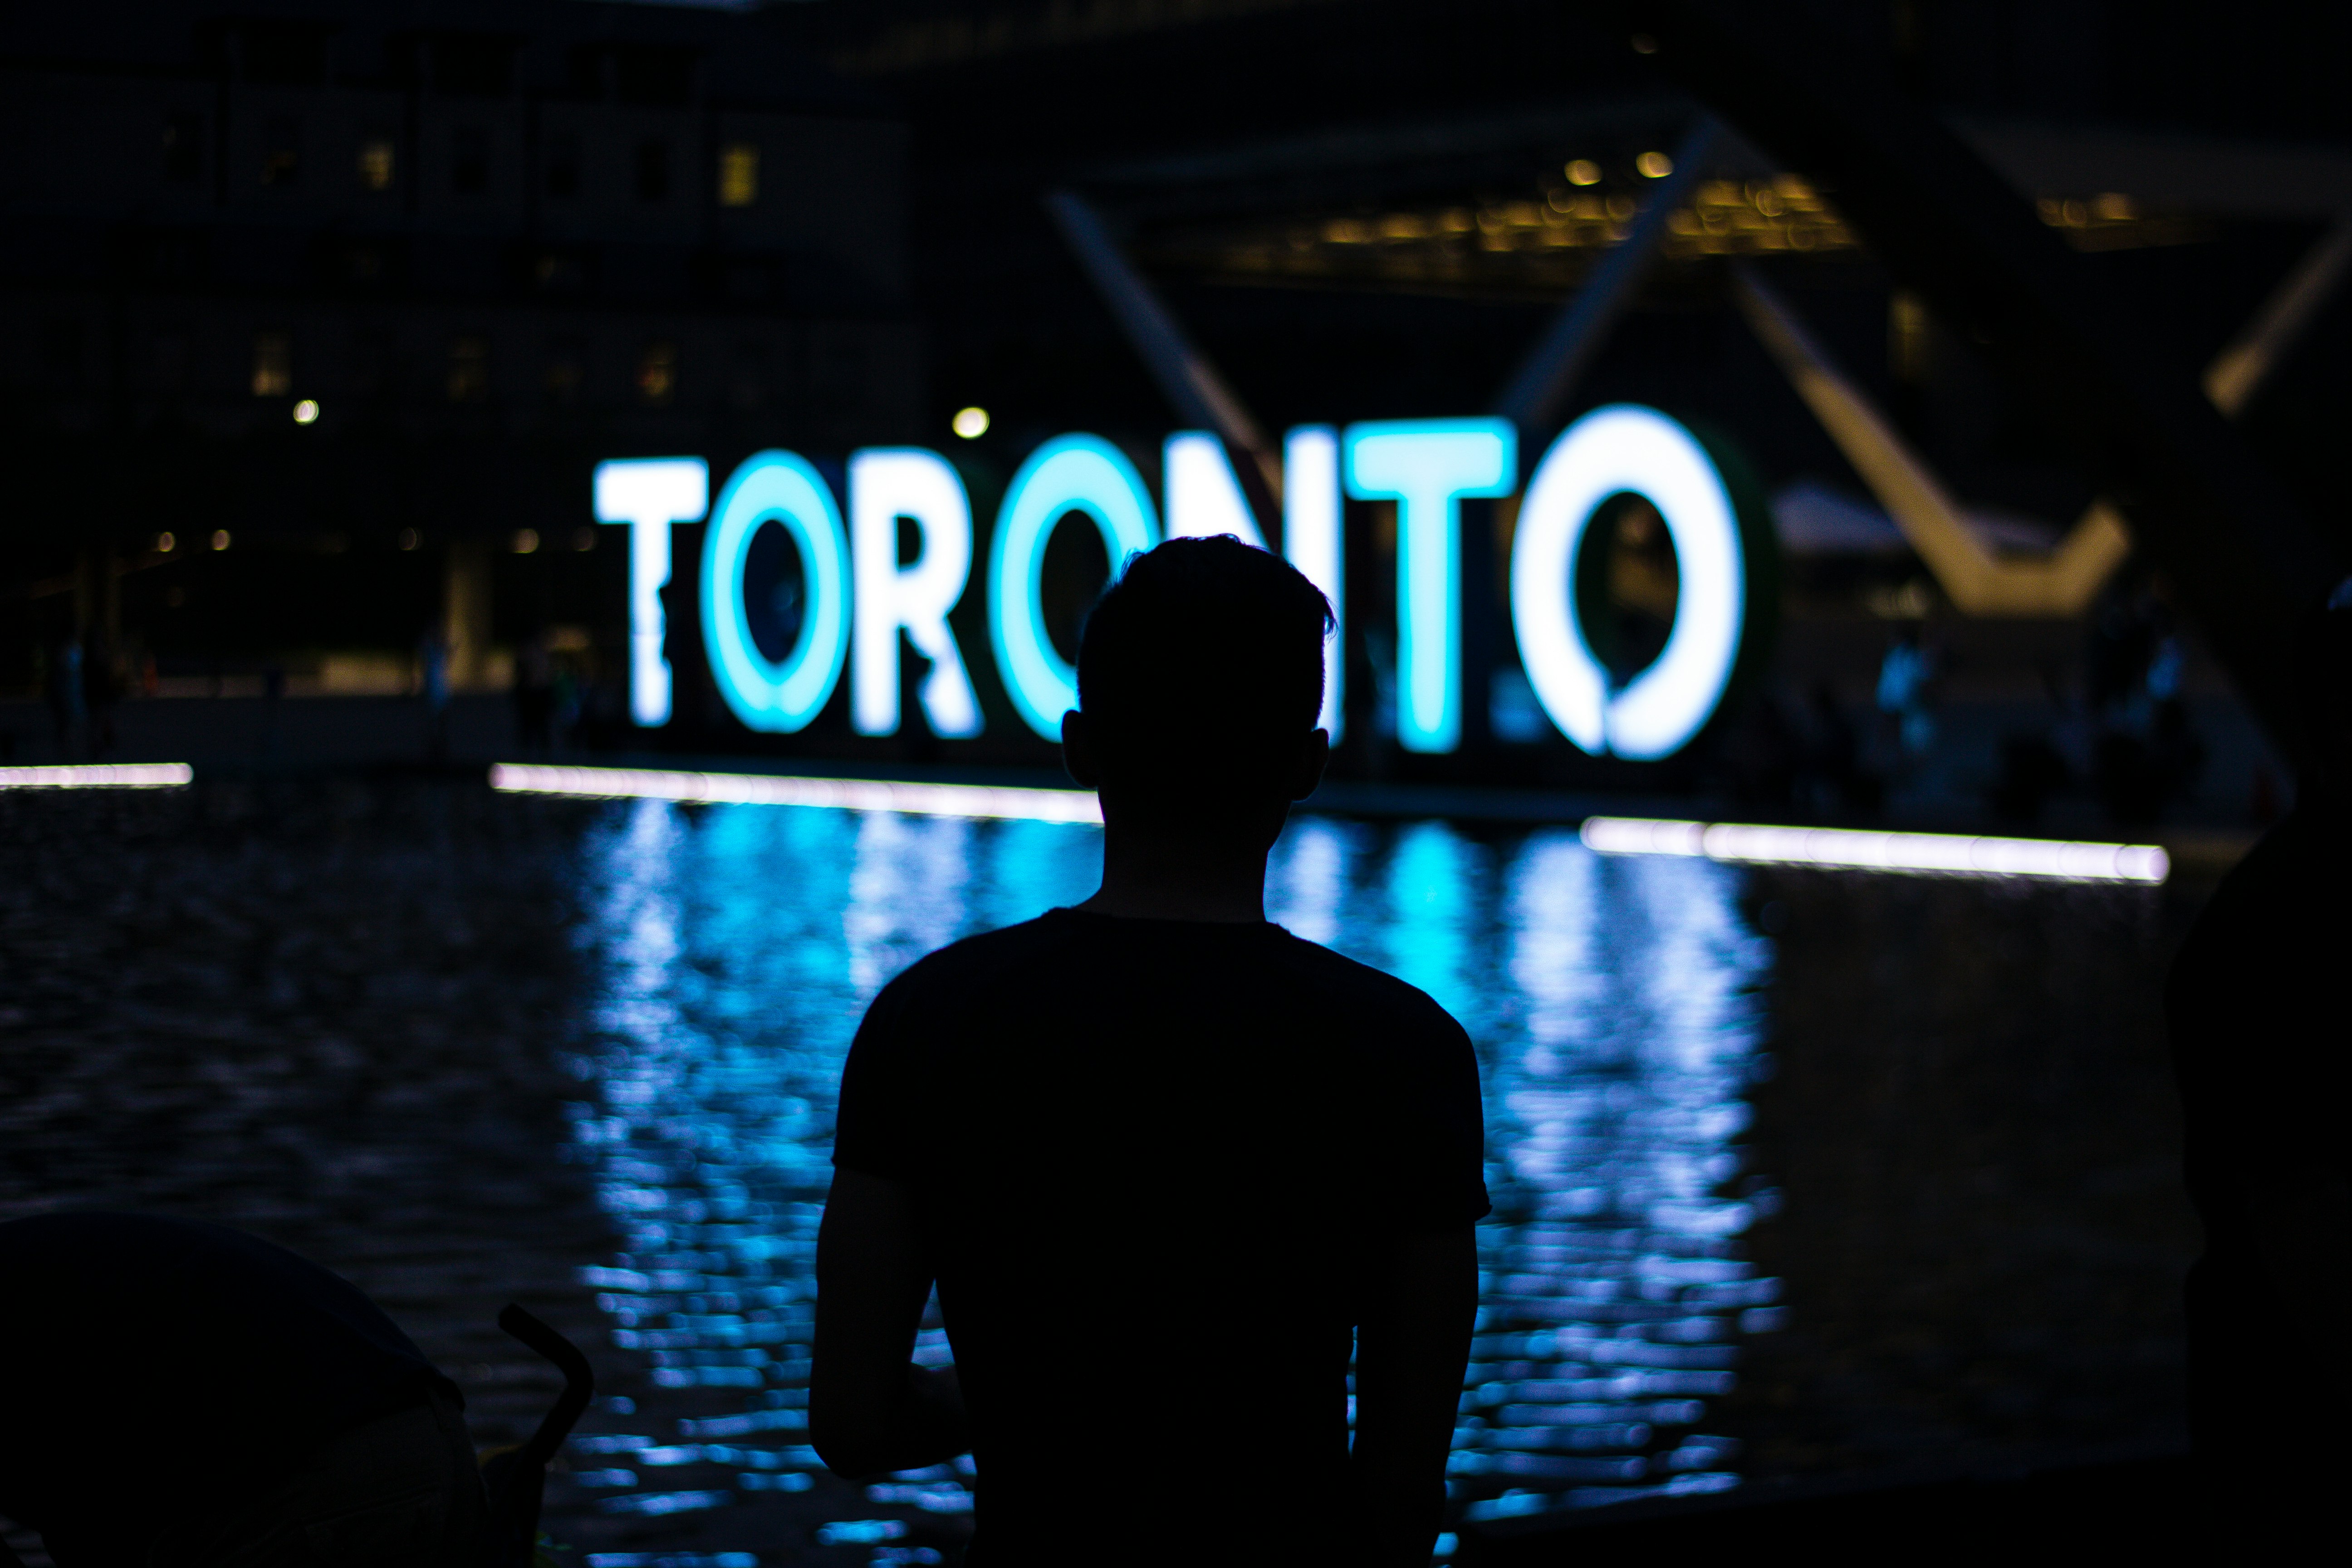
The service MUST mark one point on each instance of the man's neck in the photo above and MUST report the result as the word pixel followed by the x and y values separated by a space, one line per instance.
pixel 1155 878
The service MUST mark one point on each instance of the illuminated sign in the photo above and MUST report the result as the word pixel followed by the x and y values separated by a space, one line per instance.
pixel 1611 451
pixel 770 694
pixel 886 485
pixel 1070 473
pixel 1426 467
pixel 858 599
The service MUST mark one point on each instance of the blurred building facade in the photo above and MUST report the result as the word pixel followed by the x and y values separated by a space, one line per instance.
pixel 365 292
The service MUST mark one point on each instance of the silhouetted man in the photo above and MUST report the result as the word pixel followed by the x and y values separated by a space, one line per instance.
pixel 1166 1163
pixel 179 1394
pixel 2257 1011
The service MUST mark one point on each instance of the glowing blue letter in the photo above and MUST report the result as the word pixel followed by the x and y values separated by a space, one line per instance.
pixel 1310 539
pixel 649 494
pixel 1612 451
pixel 1427 466
pixel 1070 473
pixel 884 485
pixel 1204 497
pixel 777 487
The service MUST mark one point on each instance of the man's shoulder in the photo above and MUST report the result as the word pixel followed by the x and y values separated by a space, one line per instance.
pixel 1368 994
pixel 979 959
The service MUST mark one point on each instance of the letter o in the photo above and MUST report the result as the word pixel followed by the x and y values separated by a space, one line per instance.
pixel 1070 473
pixel 1613 450
pixel 778 698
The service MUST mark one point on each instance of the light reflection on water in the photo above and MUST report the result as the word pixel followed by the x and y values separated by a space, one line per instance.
pixel 1611 1001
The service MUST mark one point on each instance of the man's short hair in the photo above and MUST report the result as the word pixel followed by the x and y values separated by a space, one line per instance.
pixel 1200 668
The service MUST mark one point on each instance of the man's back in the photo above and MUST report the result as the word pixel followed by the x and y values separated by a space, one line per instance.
pixel 1150 1159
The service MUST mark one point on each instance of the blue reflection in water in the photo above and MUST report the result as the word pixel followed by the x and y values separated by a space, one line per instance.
pixel 1612 1002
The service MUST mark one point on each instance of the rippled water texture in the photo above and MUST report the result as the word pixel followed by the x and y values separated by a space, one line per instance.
pixel 1614 1003
pixel 1891 1188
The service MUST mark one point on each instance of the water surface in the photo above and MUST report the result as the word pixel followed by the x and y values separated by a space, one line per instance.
pixel 1612 1002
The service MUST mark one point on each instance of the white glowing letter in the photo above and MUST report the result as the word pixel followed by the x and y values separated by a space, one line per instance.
pixel 1310 541
pixel 1626 448
pixel 1070 473
pixel 1426 467
pixel 767 694
pixel 1204 499
pixel 884 485
pixel 649 494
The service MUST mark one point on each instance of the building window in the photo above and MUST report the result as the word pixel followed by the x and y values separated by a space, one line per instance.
pixel 281 151
pixel 273 364
pixel 62 351
pixel 657 372
pixel 469 161
pixel 375 163
pixel 469 368
pixel 738 175
pixel 567 370
pixel 747 387
pixel 653 169
pixel 184 146
pixel 564 163
pixel 170 360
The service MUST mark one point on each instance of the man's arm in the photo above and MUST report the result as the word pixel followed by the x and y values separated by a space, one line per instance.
pixel 1411 1349
pixel 870 1408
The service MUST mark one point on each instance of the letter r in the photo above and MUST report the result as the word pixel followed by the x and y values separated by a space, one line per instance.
pixel 886 483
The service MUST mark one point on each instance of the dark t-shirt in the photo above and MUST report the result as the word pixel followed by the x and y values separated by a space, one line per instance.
pixel 2256 1008
pixel 154 1369
pixel 1149 1159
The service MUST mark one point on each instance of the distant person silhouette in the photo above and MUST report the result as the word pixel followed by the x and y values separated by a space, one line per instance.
pixel 180 1395
pixel 1166 1163
pixel 2256 1008
pixel 67 701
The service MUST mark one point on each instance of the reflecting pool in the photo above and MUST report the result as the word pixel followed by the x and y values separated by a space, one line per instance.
pixel 732 951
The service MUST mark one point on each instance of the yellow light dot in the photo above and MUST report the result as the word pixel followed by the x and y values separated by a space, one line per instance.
pixel 970 424
pixel 526 540
pixel 1583 172
pixel 220 539
pixel 165 545
pixel 307 411
pixel 1654 165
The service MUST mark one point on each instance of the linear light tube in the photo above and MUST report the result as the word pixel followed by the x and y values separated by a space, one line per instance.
pixel 998 800
pixel 1949 854
pixel 101 775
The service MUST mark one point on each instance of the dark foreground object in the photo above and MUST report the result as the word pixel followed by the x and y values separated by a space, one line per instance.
pixel 2141 1512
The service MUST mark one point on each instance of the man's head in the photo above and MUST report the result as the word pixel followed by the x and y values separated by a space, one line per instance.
pixel 1199 677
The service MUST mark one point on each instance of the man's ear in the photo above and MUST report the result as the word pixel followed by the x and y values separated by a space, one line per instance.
pixel 1314 756
pixel 1078 756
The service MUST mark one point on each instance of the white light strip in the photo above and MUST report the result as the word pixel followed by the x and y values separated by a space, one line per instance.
pixel 101 775
pixel 1952 854
pixel 766 789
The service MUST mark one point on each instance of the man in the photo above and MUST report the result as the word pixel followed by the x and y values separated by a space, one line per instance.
pixel 1167 1164
pixel 179 1394
pixel 2256 1011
